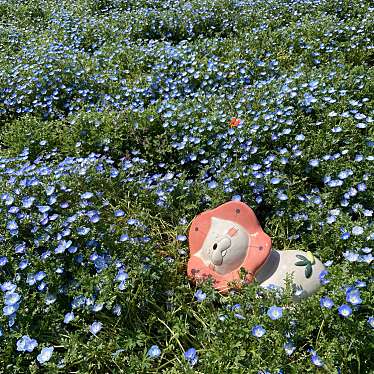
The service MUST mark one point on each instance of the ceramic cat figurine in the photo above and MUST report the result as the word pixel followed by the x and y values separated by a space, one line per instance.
pixel 225 239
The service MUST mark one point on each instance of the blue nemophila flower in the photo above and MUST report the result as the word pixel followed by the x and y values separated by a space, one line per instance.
pixel 30 280
pixel 72 249
pixel 289 347
pixel 9 200
pixel 326 302
pixel 258 331
pixel 86 195
pixel 366 258
pixel 181 238
pixel 69 317
pixel 359 283
pixel 100 262
pixel 314 163
pixel 78 301
pixel 345 235
pixel 191 356
pixel 13 209
pixel 275 312
pixel 44 208
pixel 316 360
pixel 200 296
pixel 26 344
pixel 95 327
pixel 42 286
pixel 357 230
pixel 117 310
pixel 366 249
pixel 275 180
pixel 50 299
pixel 45 354
pixel 223 317
pixel 119 213
pixel 97 307
pixel 83 230
pixel 121 276
pixel 235 307
pixel 322 277
pixel 371 321
pixel 3 261
pixel 212 185
pixel 239 316
pixel 123 238
pixel 50 190
pixel 8 286
pixel 9 310
pixel 353 296
pixel 183 221
pixel 331 219
pixel 12 320
pixel 351 256
pixel 94 218
pixel 11 298
pixel 40 275
pixel 344 174
pixel 282 196
pixel 12 226
pixel 345 310
pixel 154 352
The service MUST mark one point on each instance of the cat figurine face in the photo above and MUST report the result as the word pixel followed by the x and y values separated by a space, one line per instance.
pixel 224 240
pixel 225 247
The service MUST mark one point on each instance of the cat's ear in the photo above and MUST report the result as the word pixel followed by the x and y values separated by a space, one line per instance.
pixel 240 213
pixel 198 231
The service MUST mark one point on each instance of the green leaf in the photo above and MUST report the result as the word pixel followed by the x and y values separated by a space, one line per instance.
pixel 301 257
pixel 302 263
pixel 308 271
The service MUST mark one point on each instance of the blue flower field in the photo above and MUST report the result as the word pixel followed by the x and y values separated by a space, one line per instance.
pixel 122 120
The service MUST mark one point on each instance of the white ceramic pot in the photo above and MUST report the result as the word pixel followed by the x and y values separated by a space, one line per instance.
pixel 303 267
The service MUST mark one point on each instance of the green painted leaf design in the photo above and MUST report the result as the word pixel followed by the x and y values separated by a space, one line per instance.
pixel 301 257
pixel 302 263
pixel 308 271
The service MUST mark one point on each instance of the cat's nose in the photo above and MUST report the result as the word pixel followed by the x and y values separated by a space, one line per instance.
pixel 220 248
